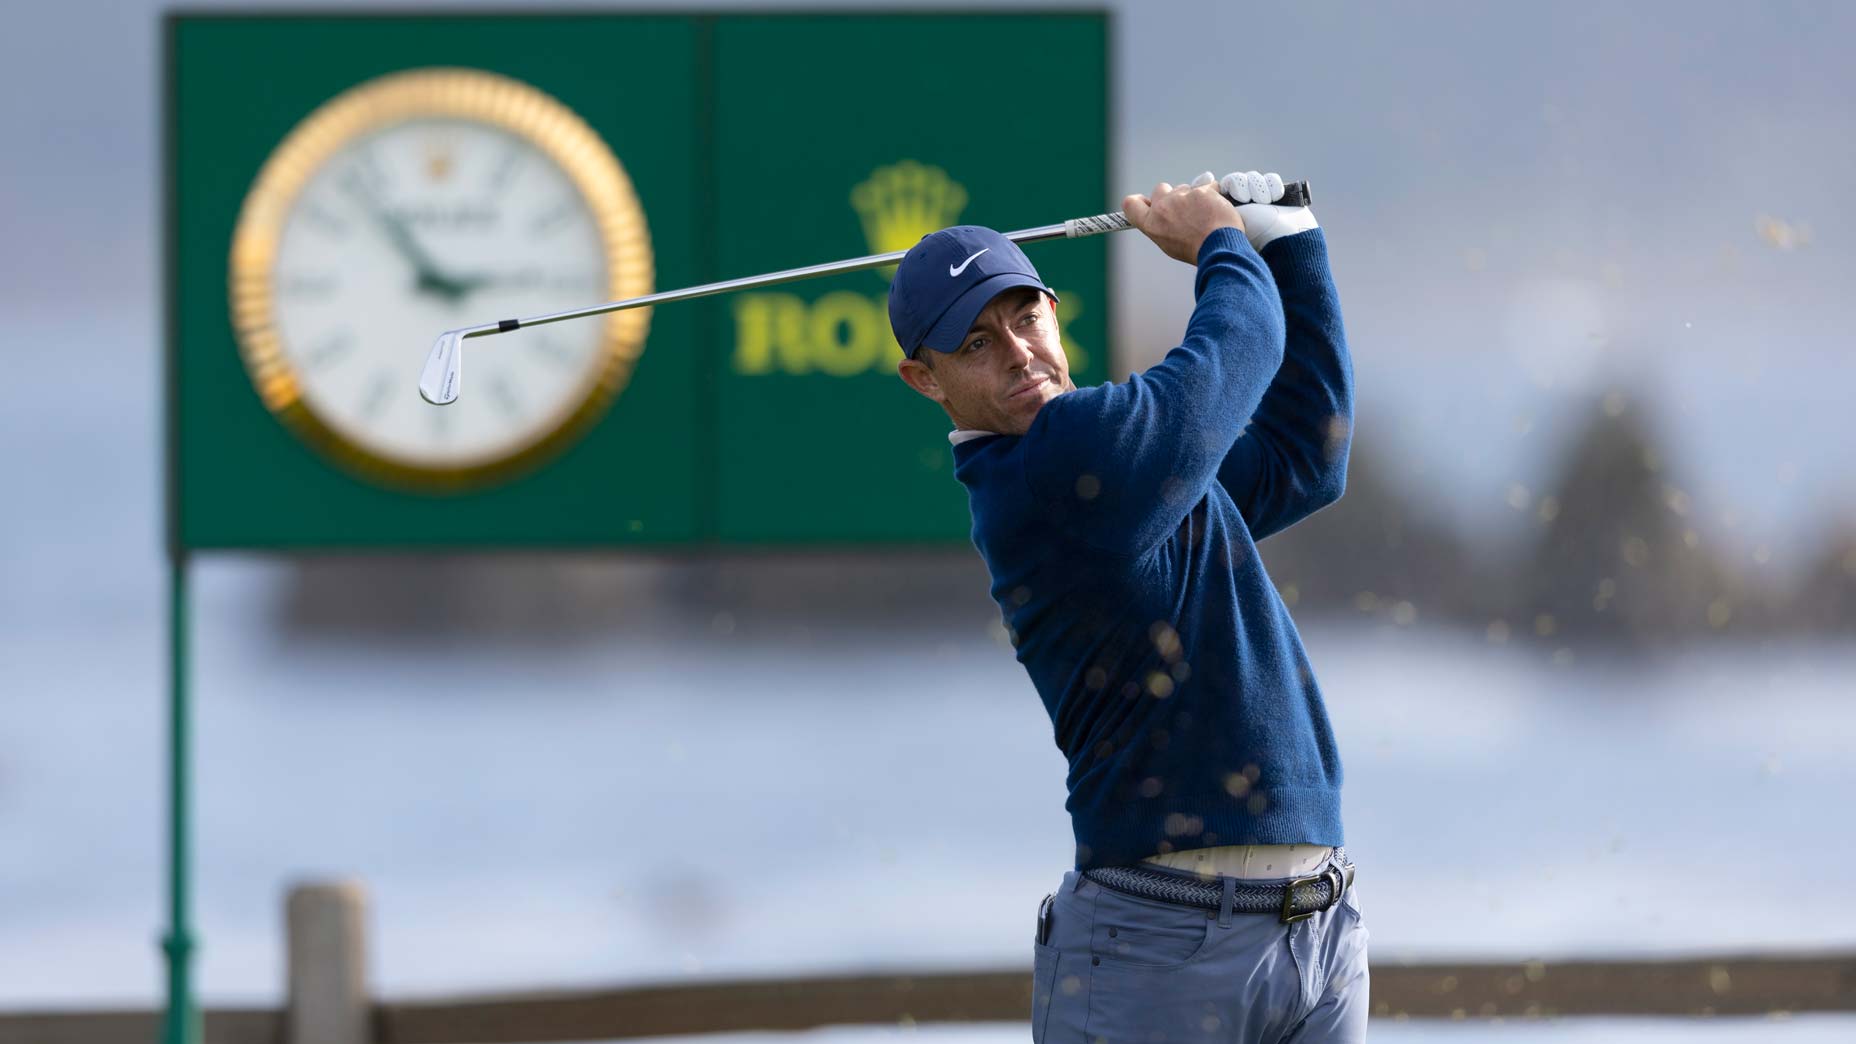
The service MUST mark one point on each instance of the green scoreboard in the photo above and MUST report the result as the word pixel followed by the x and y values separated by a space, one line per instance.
pixel 340 189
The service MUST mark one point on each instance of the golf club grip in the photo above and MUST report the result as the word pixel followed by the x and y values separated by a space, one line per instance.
pixel 1294 194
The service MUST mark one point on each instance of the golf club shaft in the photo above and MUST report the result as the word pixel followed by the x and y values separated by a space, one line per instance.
pixel 1295 194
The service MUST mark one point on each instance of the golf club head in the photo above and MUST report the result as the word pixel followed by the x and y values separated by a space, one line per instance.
pixel 438 382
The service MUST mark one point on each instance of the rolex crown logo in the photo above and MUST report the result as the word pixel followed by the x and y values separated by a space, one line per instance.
pixel 440 147
pixel 901 203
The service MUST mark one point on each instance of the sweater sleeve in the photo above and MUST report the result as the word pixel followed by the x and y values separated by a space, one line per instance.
pixel 1292 459
pixel 1120 465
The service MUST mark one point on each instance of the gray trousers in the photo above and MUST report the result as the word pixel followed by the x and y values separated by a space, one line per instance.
pixel 1117 969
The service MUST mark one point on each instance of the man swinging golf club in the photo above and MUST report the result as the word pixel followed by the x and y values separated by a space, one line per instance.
pixel 1210 900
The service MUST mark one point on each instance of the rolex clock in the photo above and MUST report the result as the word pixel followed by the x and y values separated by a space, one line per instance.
pixel 423 201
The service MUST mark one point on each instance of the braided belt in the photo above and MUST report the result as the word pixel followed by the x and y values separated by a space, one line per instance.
pixel 1295 900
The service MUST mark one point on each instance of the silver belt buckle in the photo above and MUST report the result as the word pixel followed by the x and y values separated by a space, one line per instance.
pixel 1337 879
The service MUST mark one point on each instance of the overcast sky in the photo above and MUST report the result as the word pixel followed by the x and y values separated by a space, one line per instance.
pixel 1528 205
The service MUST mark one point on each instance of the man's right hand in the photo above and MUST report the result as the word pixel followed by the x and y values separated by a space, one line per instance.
pixel 1179 219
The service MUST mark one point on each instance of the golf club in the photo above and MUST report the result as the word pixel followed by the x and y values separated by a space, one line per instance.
pixel 439 380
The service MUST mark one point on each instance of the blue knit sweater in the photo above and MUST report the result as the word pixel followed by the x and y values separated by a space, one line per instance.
pixel 1120 532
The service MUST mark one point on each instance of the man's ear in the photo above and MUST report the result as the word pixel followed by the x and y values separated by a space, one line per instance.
pixel 917 375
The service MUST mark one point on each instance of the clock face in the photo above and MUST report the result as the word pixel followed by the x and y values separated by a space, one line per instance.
pixel 436 210
pixel 427 226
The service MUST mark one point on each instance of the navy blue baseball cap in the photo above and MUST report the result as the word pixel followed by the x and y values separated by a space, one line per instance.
pixel 945 281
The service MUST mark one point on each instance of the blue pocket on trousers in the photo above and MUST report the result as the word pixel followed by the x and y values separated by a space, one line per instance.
pixel 1143 933
pixel 1043 982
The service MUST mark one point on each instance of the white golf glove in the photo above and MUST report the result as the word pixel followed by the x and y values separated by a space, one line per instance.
pixel 1254 194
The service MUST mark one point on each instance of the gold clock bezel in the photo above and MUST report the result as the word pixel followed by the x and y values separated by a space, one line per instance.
pixel 454 93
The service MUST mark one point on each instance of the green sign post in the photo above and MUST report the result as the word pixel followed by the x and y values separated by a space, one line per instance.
pixel 341 188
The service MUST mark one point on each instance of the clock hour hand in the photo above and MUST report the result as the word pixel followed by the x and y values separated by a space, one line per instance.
pixel 518 279
pixel 450 289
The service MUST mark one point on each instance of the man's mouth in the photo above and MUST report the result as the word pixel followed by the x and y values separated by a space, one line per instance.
pixel 1028 387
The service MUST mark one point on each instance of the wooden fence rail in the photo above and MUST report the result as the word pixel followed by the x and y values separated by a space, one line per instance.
pixel 325 952
pixel 1691 987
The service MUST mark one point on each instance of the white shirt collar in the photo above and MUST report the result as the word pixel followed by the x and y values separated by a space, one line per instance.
pixel 960 435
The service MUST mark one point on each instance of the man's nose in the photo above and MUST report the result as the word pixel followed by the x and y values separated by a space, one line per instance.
pixel 1018 351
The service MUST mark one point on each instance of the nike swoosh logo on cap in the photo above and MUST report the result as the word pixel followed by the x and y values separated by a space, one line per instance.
pixel 954 270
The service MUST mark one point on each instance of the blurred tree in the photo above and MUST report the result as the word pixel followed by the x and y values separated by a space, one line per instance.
pixel 1620 558
pixel 1826 601
pixel 1374 551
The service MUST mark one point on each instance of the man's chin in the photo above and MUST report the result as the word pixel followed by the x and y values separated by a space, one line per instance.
pixel 1024 409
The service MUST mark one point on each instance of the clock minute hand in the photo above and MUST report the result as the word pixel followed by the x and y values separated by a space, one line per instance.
pixel 430 278
pixel 407 246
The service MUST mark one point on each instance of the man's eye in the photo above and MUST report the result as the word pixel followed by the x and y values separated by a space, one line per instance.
pixel 976 344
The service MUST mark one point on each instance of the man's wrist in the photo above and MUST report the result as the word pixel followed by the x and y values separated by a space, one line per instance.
pixel 1220 238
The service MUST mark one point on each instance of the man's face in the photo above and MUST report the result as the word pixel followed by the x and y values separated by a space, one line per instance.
pixel 1010 364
